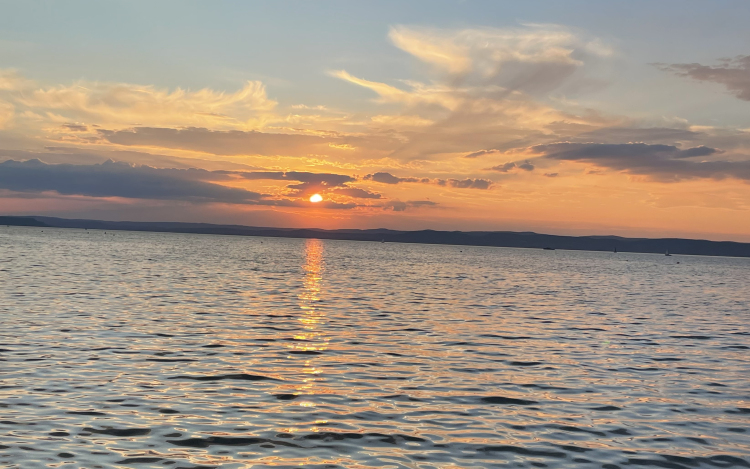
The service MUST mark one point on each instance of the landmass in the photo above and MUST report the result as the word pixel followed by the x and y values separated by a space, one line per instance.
pixel 700 247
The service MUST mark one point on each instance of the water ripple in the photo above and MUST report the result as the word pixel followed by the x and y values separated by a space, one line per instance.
pixel 191 351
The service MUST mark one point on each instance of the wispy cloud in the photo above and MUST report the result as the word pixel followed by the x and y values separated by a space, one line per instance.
pixel 734 74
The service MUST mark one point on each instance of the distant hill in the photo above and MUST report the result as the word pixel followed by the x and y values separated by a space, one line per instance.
pixel 467 238
pixel 21 221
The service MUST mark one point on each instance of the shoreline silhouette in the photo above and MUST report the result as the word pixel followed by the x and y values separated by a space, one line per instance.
pixel 514 239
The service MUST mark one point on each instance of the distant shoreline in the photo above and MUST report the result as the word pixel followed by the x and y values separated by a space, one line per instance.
pixel 510 239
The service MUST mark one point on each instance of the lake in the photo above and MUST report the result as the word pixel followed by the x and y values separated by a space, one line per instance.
pixel 130 349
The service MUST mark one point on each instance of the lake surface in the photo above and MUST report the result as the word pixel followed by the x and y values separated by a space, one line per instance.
pixel 182 351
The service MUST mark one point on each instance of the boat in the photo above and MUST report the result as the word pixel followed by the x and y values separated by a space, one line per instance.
pixel 667 253
pixel 549 249
pixel 615 251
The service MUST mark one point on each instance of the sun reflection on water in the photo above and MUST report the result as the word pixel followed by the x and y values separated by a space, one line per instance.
pixel 312 339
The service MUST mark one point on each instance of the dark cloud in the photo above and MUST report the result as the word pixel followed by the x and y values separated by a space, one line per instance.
pixel 357 193
pixel 328 179
pixel 635 134
pixel 117 179
pixel 338 206
pixel 112 179
pixel 734 74
pixel 388 178
pixel 697 151
pixel 506 167
pixel 664 162
pixel 551 175
pixel 503 168
pixel 399 206
pixel 481 153
pixel 75 127
pixel 396 206
pixel 73 155
pixel 467 183
pixel 233 142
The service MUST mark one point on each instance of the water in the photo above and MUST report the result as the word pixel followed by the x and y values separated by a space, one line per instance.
pixel 168 350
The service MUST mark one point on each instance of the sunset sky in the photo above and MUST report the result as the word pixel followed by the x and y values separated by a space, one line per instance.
pixel 575 117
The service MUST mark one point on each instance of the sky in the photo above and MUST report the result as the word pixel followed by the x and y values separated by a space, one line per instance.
pixel 565 117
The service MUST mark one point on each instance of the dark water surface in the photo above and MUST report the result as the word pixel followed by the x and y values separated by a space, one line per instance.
pixel 184 351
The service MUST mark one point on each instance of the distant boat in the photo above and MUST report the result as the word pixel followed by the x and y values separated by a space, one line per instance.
pixel 382 241
pixel 667 253
pixel 549 249
pixel 615 251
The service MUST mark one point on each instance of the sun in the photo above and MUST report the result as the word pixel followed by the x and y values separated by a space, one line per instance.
pixel 315 198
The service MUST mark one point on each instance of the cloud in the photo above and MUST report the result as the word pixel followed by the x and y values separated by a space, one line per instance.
pixel 479 153
pixel 507 167
pixel 662 162
pixel 388 178
pixel 399 206
pixel 325 179
pixel 11 80
pixel 118 179
pixel 232 142
pixel 503 168
pixel 491 88
pixel 357 193
pixel 75 127
pixel 309 183
pixel 529 58
pixel 468 183
pixel 638 135
pixel 128 104
pixel 419 94
pixel 734 74
pixel 87 156
pixel 551 175
pixel 112 179
pixel 7 111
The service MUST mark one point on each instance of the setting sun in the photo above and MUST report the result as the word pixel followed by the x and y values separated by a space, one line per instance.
pixel 315 198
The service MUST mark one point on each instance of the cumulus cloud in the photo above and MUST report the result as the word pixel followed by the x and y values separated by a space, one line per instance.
pixel 734 74
pixel 663 162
